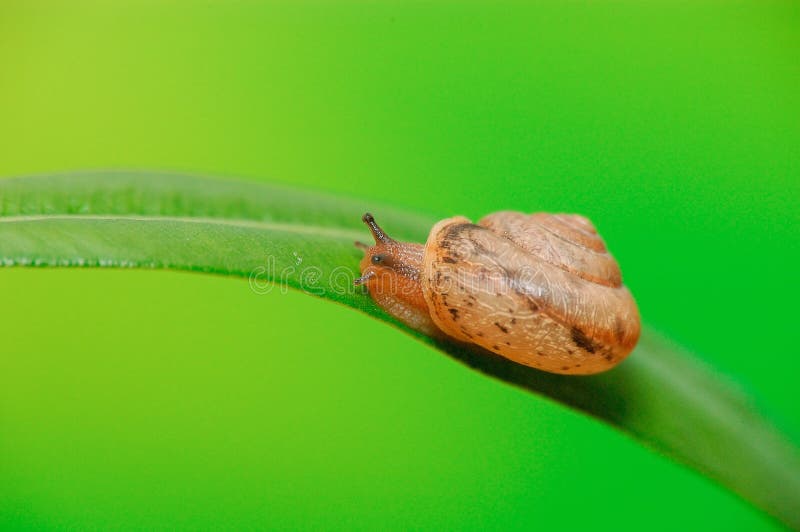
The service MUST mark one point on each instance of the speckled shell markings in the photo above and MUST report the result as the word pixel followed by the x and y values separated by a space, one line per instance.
pixel 539 289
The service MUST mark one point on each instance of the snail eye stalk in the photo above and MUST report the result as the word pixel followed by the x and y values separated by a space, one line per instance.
pixel 377 233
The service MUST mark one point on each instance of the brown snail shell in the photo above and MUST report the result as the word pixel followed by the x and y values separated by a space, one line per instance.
pixel 538 289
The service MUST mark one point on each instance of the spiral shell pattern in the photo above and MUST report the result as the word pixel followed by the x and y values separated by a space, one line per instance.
pixel 540 289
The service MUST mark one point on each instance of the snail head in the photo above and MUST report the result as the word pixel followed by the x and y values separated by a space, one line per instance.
pixel 386 256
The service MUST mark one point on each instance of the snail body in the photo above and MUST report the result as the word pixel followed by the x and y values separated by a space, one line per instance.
pixel 538 289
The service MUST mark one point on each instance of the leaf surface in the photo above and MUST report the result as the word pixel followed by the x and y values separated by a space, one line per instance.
pixel 660 395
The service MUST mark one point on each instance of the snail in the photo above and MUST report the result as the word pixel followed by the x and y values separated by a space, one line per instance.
pixel 538 289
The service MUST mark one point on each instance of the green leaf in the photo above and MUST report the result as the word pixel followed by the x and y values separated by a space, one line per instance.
pixel 304 239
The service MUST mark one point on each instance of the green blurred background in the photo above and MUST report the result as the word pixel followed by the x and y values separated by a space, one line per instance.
pixel 153 399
